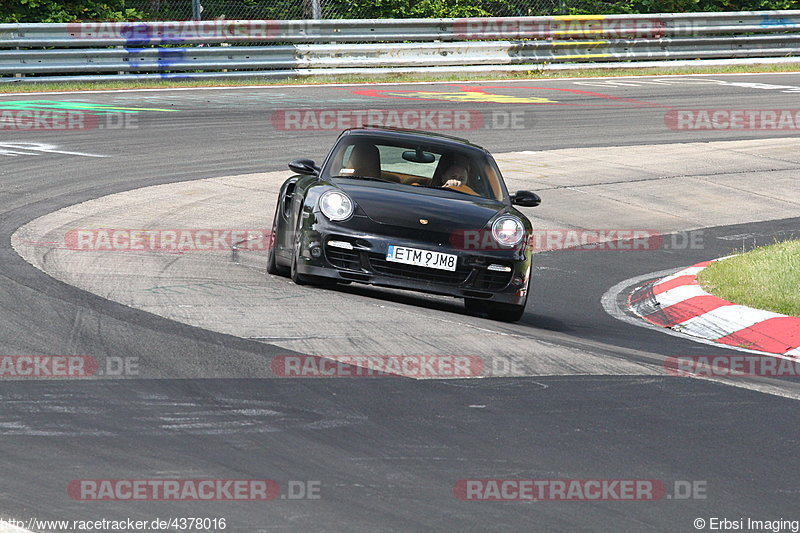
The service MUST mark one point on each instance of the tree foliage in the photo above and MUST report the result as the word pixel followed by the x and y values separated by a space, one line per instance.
pixel 66 10
pixel 117 10
pixel 579 7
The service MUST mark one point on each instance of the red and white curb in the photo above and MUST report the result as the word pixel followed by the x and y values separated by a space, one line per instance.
pixel 679 303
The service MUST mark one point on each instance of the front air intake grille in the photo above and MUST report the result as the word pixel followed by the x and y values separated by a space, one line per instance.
pixel 344 259
pixel 490 280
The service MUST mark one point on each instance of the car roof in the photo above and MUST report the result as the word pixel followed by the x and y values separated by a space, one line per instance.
pixel 407 134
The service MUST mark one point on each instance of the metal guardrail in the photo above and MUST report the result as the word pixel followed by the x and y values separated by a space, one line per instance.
pixel 40 51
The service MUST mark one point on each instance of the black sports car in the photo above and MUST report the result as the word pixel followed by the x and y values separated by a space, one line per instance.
pixel 411 210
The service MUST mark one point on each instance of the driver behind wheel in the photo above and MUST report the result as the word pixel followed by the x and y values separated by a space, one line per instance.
pixel 455 176
pixel 365 160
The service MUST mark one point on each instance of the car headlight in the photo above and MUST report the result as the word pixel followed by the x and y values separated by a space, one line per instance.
pixel 508 231
pixel 336 205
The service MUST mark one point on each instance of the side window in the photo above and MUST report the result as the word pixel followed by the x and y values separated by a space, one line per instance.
pixel 340 159
pixel 392 161
pixel 346 154
pixel 493 182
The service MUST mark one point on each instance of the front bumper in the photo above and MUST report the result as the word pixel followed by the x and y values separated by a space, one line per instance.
pixel 366 263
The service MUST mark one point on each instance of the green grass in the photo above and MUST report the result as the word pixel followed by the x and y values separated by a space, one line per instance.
pixel 764 278
pixel 11 87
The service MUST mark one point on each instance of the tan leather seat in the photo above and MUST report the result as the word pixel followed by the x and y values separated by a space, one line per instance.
pixel 365 160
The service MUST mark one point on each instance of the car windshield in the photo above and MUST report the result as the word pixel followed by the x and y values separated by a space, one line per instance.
pixel 416 165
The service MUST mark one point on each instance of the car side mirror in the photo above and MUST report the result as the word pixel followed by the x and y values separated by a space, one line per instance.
pixel 526 199
pixel 306 167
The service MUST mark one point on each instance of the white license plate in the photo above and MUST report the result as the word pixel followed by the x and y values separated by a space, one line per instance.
pixel 423 258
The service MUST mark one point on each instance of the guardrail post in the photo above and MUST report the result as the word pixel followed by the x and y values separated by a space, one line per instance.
pixel 197 10
pixel 316 9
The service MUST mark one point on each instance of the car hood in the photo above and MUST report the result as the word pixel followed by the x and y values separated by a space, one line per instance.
pixel 406 208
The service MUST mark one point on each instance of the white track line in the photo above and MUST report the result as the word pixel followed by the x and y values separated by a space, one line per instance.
pixel 363 84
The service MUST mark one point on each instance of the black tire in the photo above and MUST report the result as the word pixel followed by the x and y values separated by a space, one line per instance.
pixel 494 311
pixel 297 277
pixel 305 279
pixel 509 312
pixel 272 261
pixel 272 265
pixel 274 268
pixel 506 312
pixel 476 307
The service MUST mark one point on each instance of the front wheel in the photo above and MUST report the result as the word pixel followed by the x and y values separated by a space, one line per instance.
pixel 506 312
pixel 272 264
pixel 272 261
pixel 305 279
pixel 297 277
pixel 495 311
pixel 476 307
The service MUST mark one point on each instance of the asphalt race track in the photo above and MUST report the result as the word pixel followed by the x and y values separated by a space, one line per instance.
pixel 386 454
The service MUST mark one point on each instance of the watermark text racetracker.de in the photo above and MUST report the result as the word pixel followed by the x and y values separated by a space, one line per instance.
pixel 43 120
pixel 732 366
pixel 166 240
pixel 558 490
pixel 377 366
pixel 244 490
pixel 415 119
pixel 623 239
pixel 539 240
pixel 733 119
pixel 185 30
pixel 568 27
pixel 66 366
